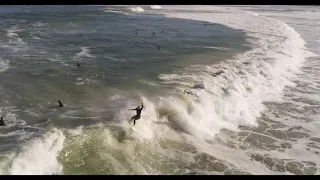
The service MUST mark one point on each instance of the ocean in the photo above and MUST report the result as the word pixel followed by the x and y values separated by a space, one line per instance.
pixel 226 89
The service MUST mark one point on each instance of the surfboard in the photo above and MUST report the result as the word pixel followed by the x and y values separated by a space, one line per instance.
pixel 134 129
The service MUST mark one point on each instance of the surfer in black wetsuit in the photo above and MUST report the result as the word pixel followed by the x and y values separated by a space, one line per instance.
pixel 78 64
pixel 60 103
pixel 138 115
pixel 2 121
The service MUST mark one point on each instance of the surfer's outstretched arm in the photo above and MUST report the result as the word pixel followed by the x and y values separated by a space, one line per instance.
pixel 133 109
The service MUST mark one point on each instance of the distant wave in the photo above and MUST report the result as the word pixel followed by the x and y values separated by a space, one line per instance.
pixel 37 24
pixel 155 7
pixel 137 9
pixel 112 10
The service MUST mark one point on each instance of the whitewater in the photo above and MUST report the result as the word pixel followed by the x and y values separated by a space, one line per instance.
pixel 238 97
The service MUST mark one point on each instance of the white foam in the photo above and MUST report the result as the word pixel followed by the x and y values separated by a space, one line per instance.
pixel 145 129
pixel 35 37
pixel 85 52
pixel 155 7
pixel 235 97
pixel 150 83
pixel 253 13
pixel 85 81
pixel 10 117
pixel 38 24
pixel 210 47
pixel 4 65
pixel 115 11
pixel 218 48
pixel 39 156
pixel 137 9
pixel 77 131
pixel 110 57
pixel 14 37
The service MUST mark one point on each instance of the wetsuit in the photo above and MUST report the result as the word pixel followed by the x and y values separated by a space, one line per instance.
pixel 60 103
pixel 138 115
pixel 2 122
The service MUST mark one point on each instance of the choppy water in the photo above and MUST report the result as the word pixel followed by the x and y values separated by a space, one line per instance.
pixel 259 115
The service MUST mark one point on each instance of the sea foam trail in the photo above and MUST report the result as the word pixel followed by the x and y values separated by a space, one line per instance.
pixel 235 97
pixel 39 156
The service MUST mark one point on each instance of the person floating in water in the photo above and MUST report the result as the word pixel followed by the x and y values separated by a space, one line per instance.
pixel 153 32
pixel 158 47
pixel 138 115
pixel 2 121
pixel 60 103
pixel 78 64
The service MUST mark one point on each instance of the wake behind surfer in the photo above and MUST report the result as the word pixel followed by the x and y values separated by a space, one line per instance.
pixel 138 115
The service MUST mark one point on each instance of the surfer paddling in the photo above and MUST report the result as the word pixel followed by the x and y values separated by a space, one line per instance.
pixel 138 115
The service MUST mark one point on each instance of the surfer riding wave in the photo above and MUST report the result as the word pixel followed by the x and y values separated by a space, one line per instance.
pixel 138 114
